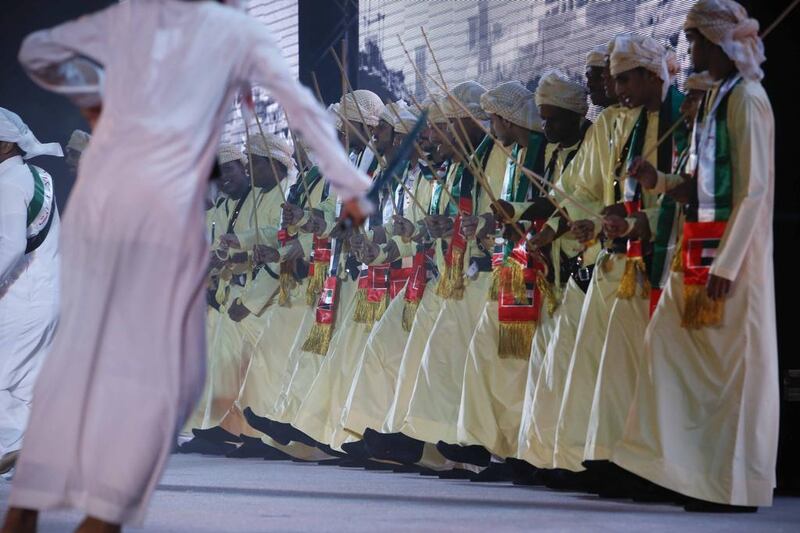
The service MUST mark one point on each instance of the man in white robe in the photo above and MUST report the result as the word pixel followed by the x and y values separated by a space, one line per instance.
pixel 28 276
pixel 704 422
pixel 128 359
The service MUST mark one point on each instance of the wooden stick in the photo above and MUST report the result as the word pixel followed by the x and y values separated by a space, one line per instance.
pixel 271 161
pixel 252 179
pixel 301 174
pixel 475 168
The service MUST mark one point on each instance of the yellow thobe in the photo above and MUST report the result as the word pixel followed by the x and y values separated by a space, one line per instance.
pixel 704 421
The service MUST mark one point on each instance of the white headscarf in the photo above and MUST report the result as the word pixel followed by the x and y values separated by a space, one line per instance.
pixel 275 147
pixel 631 51
pixel 12 129
pixel 726 24
pixel 597 57
pixel 228 152
pixel 556 89
pixel 361 102
pixel 699 81
pixel 468 94
pixel 515 103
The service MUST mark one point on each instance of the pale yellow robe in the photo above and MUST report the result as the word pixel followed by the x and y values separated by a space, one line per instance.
pixel 493 393
pixel 590 338
pixel 373 388
pixel 433 409
pixel 705 417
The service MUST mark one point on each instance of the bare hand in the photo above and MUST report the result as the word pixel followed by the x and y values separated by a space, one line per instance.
pixel 438 225
pixel 643 172
pixel 583 230
pixel 490 223
pixel 292 214
pixel 544 237
pixel 263 254
pixel 368 252
pixel 718 288
pixel 469 225
pixel 238 312
pixel 614 226
pixel 503 210
pixel 316 224
pixel 229 240
pixel 402 227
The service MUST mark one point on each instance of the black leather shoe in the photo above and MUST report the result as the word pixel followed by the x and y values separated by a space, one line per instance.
pixel 474 455
pixel 216 434
pixel 700 506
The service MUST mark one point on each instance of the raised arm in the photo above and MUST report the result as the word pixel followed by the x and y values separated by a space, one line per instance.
pixel 267 66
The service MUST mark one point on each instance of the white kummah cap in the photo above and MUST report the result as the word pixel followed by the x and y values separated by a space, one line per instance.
pixel 228 152
pixel 631 51
pixel 598 56
pixel 556 89
pixel 360 103
pixel 699 81
pixel 399 116
pixel 515 103
pixel 13 130
pixel 435 106
pixel 726 24
pixel 469 94
pixel 275 147
pixel 79 140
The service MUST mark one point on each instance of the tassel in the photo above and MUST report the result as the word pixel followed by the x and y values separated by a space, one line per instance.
pixel 677 260
pixel 451 282
pixel 319 339
pixel 362 313
pixel 494 288
pixel 315 283
pixel 517 280
pixel 286 283
pixel 378 309
pixel 409 312
pixel 515 340
pixel 699 310
pixel 634 266
pixel 549 295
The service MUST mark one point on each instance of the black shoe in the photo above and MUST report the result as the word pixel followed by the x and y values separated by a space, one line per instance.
pixel 474 455
pixel 255 448
pixel 524 473
pixel 495 473
pixel 330 462
pixel 393 447
pixel 379 467
pixel 566 480
pixel 456 473
pixel 700 506
pixel 407 469
pixel 265 426
pixel 351 462
pixel 356 449
pixel 216 434
pixel 204 447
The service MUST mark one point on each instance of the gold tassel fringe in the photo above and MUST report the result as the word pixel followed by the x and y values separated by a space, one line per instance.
pixel 409 312
pixel 549 295
pixel 319 339
pixel 379 308
pixel 494 287
pixel 286 283
pixel 515 340
pixel 634 267
pixel 699 310
pixel 677 260
pixel 362 312
pixel 315 283
pixel 451 282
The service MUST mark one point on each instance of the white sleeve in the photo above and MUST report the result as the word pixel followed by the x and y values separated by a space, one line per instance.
pixel 49 56
pixel 266 65
pixel 13 215
pixel 750 123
